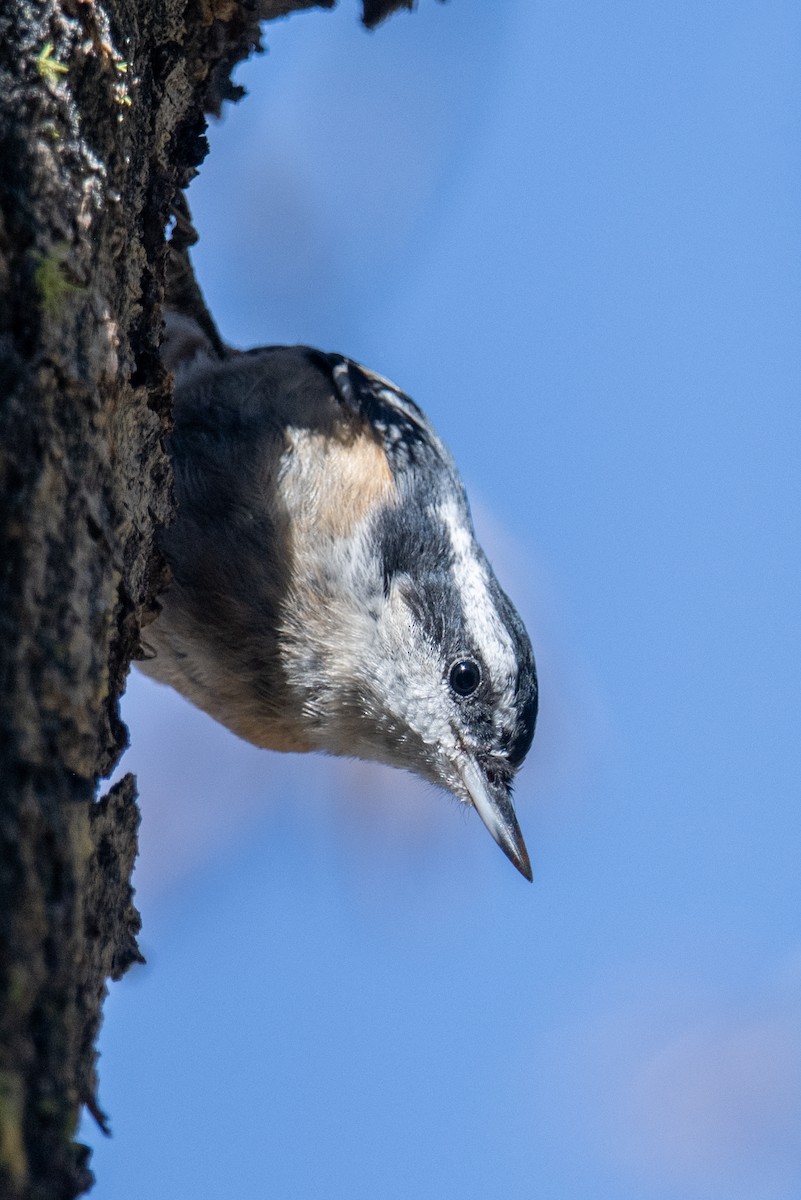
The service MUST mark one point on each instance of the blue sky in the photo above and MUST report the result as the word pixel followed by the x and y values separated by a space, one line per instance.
pixel 571 232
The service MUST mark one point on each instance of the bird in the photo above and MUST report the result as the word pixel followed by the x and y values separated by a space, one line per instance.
pixel 327 589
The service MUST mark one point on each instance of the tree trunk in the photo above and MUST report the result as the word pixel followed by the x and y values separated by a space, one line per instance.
pixel 102 108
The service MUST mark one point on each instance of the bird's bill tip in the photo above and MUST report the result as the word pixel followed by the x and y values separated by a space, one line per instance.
pixel 494 806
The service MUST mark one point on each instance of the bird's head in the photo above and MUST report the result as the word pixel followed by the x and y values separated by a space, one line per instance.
pixel 414 654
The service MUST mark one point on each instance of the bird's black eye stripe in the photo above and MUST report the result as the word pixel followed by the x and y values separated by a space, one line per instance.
pixel 524 733
pixel 464 677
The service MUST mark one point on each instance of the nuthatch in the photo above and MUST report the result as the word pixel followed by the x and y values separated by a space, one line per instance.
pixel 328 592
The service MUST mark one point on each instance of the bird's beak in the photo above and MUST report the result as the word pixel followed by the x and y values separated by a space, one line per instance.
pixel 493 805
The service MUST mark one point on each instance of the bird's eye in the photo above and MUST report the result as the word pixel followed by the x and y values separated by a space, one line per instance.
pixel 464 677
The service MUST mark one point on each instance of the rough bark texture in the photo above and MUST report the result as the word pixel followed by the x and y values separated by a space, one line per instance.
pixel 101 124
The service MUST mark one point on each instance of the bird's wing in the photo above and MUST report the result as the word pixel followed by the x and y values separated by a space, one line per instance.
pixel 407 435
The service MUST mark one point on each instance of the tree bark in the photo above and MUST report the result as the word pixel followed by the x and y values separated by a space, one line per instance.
pixel 102 107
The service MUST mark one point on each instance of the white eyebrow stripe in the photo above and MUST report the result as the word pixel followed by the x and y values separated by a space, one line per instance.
pixel 485 628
